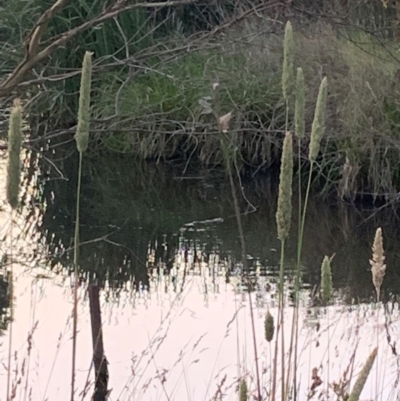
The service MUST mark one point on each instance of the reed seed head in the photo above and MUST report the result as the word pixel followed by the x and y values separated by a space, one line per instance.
pixel 243 392
pixel 318 125
pixel 378 266
pixel 269 326
pixel 363 376
pixel 299 105
pixel 326 279
pixel 284 210
pixel 82 130
pixel 288 63
pixel 14 150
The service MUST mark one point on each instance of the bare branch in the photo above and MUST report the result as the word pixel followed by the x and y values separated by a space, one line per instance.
pixel 34 56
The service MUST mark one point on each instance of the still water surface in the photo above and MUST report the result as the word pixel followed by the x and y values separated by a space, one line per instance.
pixel 163 244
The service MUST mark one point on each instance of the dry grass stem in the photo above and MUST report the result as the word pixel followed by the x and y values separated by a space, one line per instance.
pixel 318 125
pixel 14 150
pixel 284 211
pixel 363 376
pixel 378 267
pixel 82 130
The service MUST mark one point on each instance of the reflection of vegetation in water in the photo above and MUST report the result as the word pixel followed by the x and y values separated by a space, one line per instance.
pixel 131 211
pixel 4 302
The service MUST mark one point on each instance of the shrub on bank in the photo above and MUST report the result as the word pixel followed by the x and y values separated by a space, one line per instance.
pixel 168 110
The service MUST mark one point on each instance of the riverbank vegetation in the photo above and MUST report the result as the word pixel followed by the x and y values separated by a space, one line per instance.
pixel 155 67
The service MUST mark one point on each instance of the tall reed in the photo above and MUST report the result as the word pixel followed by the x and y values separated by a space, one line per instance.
pixel 229 152
pixel 363 376
pixel 12 194
pixel 299 117
pixel 82 140
pixel 283 221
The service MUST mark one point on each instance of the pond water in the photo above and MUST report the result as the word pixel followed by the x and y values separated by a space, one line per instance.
pixel 163 245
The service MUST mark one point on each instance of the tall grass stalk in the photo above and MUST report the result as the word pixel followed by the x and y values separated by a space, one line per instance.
pixel 299 117
pixel 244 260
pixel 283 221
pixel 363 376
pixel 317 132
pixel 82 140
pixel 12 194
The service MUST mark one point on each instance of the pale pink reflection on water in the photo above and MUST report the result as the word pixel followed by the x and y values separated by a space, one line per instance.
pixel 164 346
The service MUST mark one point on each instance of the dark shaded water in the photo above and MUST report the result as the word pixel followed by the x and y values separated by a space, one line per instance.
pixel 137 217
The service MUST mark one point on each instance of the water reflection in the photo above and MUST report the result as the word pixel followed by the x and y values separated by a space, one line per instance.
pixel 164 246
pixel 145 225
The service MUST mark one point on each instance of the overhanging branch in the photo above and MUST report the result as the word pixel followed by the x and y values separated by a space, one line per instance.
pixel 33 54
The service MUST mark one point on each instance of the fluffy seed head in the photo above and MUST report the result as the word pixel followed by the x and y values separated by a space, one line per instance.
pixel 82 130
pixel 326 279
pixel 284 210
pixel 318 125
pixel 299 105
pixel 288 62
pixel 378 267
pixel 269 327
pixel 14 150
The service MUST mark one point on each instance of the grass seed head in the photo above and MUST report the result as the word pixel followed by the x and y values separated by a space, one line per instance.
pixel 299 111
pixel 378 266
pixel 326 279
pixel 82 130
pixel 318 125
pixel 284 210
pixel 269 327
pixel 288 63
pixel 243 396
pixel 14 150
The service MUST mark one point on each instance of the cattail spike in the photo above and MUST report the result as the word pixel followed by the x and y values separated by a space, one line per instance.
pixel 82 130
pixel 378 267
pixel 288 63
pixel 299 105
pixel 284 211
pixel 318 125
pixel 14 150
pixel 326 279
